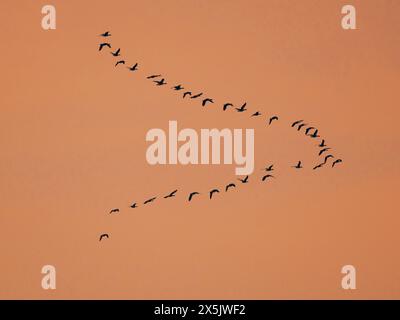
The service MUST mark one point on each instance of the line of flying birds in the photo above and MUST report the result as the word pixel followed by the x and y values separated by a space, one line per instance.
pixel 160 81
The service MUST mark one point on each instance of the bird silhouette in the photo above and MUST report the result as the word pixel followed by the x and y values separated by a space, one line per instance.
pixel 134 67
pixel 191 195
pixel 212 192
pixel 256 114
pixel 336 161
pixel 267 176
pixel 207 100
pixel 114 210
pixel 322 144
pixel 301 126
pixel 116 53
pixel 187 93
pixel 269 168
pixel 120 62
pixel 104 235
pixel 231 185
pixel 318 166
pixel 272 119
pixel 102 45
pixel 106 34
pixel 242 108
pixel 308 130
pixel 172 194
pixel 227 105
pixel 315 134
pixel 245 180
pixel 327 157
pixel 323 150
pixel 178 87
pixel 298 165
pixel 196 95
pixel 150 200
pixel 154 76
pixel 160 82
pixel 296 123
pixel 134 205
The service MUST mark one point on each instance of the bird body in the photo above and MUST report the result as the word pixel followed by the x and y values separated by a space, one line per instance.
pixel 327 157
pixel 315 134
pixel 323 150
pixel 192 194
pixel 172 194
pixel 212 192
pixel 154 76
pixel 267 176
pixel 150 200
pixel 231 185
pixel 245 180
pixel 134 67
pixel 134 205
pixel 114 210
pixel 269 168
pixel 207 100
pixel 322 144
pixel 196 95
pixel 256 114
pixel 187 93
pixel 308 130
pixel 298 165
pixel 336 161
pixel 227 105
pixel 272 119
pixel 301 126
pixel 120 62
pixel 106 34
pixel 116 53
pixel 104 235
pixel 160 82
pixel 296 123
pixel 242 108
pixel 318 166
pixel 102 45
pixel 178 87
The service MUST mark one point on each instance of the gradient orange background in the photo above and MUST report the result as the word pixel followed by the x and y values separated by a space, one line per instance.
pixel 72 140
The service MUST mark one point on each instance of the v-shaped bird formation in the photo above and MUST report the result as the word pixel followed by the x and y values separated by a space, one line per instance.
pixel 310 131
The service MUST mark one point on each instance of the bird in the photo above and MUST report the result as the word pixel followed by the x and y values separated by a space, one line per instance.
pixel 191 195
pixel 327 157
pixel 154 76
pixel 336 161
pixel 256 114
pixel 315 134
pixel 231 185
pixel 116 53
pixel 150 200
pixel 104 235
pixel 296 123
pixel 120 62
pixel 114 210
pixel 272 119
pixel 196 95
pixel 227 105
pixel 106 34
pixel 308 130
pixel 134 205
pixel 318 166
pixel 160 82
pixel 322 144
pixel 269 168
pixel 207 100
pixel 298 165
pixel 178 87
pixel 323 150
pixel 212 192
pixel 134 67
pixel 105 44
pixel 300 126
pixel 172 194
pixel 186 93
pixel 245 180
pixel 242 108
pixel 267 176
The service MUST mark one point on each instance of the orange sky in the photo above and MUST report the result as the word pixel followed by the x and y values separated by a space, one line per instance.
pixel 72 139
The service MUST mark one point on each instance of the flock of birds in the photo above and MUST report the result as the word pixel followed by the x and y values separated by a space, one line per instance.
pixel 309 131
